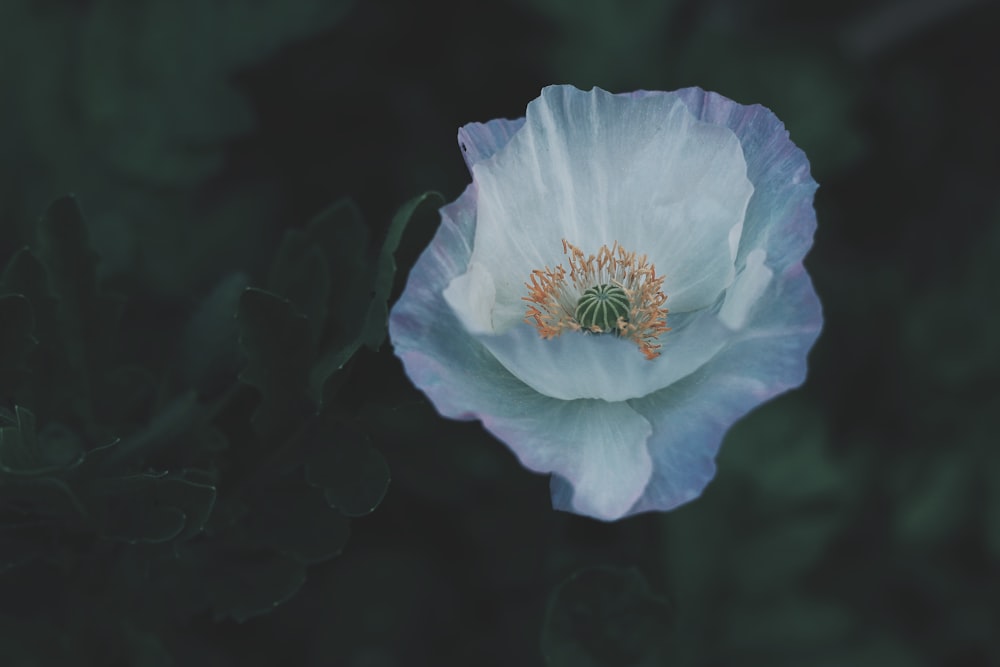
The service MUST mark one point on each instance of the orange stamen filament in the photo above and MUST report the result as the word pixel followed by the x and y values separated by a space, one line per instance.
pixel 553 295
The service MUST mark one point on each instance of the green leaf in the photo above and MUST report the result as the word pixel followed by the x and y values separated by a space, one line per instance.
pixel 378 312
pixel 295 520
pixel 64 247
pixel 75 333
pixel 372 324
pixel 16 341
pixel 151 508
pixel 165 430
pixel 353 475
pixel 208 356
pixel 606 616
pixel 301 274
pixel 25 453
pixel 279 356
pixel 247 584
pixel 52 382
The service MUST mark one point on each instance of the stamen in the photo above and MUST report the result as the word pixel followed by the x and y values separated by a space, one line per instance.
pixel 614 291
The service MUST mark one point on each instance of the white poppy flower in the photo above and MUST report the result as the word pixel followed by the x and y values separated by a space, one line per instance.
pixel 619 284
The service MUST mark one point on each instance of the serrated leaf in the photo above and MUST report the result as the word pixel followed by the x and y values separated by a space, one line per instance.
pixel 372 329
pixel 353 475
pixel 17 341
pixel 378 311
pixel 606 616
pixel 279 357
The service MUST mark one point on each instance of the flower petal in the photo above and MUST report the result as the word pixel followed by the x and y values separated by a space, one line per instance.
pixel 599 447
pixel 780 216
pixel 480 141
pixel 746 290
pixel 579 365
pixel 595 168
pixel 691 417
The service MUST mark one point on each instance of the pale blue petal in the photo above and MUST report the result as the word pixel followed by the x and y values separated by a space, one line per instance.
pixel 597 446
pixel 691 417
pixel 780 216
pixel 656 450
pixel 595 168
pixel 583 365
pixel 479 141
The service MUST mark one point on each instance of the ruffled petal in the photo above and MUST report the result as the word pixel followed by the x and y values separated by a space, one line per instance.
pixel 594 168
pixel 479 141
pixel 780 217
pixel 691 417
pixel 598 447
pixel 651 445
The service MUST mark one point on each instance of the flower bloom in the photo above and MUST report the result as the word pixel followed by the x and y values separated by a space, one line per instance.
pixel 619 284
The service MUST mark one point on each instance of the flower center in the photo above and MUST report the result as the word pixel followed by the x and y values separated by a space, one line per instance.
pixel 601 307
pixel 612 291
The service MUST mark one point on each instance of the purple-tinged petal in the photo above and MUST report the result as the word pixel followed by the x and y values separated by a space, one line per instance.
pixel 691 417
pixel 599 447
pixel 651 445
pixel 479 141
pixel 780 216
pixel 595 168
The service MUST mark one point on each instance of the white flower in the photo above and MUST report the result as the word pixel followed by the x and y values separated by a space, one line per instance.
pixel 621 281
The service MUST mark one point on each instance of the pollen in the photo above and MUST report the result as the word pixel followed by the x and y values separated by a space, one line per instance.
pixel 613 291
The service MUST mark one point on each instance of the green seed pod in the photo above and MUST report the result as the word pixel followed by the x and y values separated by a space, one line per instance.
pixel 601 306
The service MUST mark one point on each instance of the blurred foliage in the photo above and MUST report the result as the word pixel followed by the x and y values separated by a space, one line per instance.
pixel 237 499
pixel 196 398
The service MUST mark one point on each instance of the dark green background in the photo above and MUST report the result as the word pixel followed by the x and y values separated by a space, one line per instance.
pixel 853 522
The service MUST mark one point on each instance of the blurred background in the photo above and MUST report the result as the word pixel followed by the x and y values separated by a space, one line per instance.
pixel 855 521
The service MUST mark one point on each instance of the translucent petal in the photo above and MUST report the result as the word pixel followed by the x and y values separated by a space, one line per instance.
pixel 594 168
pixel 480 141
pixel 746 290
pixel 598 447
pixel 780 216
pixel 690 417
pixel 579 365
